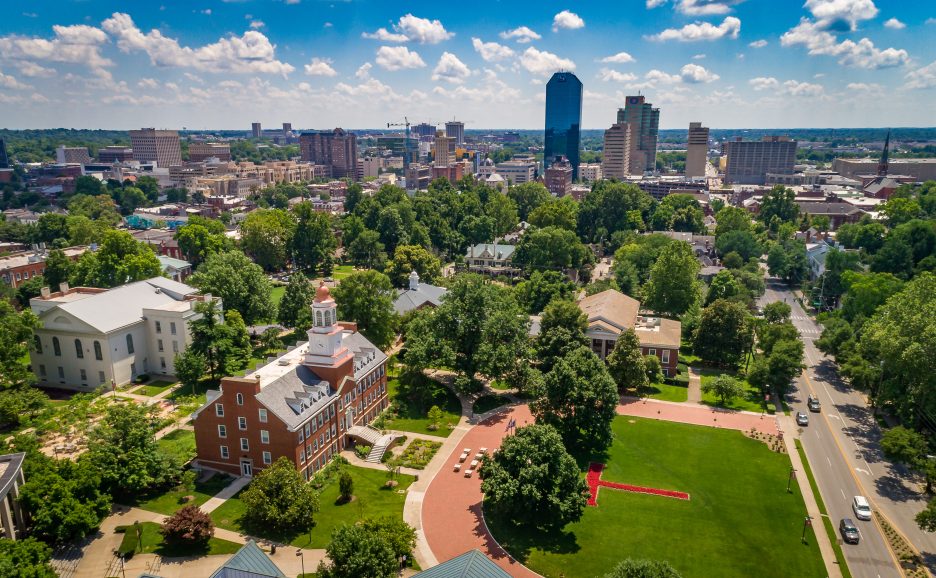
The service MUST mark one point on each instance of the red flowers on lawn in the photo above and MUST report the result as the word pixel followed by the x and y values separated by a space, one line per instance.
pixel 594 482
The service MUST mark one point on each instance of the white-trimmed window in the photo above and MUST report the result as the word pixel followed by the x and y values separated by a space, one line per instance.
pixel 262 415
pixel 225 454
pixel 239 398
pixel 222 431
pixel 264 436
pixel 245 445
pixel 302 456
pixel 219 409
pixel 42 370
pixel 666 355
pixel 159 344
pixel 242 423
pixel 172 327
pixel 267 458
pixel 308 430
pixel 651 351
pixel 159 328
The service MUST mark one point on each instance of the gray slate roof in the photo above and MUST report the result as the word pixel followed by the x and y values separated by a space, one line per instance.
pixel 814 208
pixel 410 299
pixel 249 562
pixel 471 564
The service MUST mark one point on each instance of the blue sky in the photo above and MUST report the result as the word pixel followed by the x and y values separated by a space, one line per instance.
pixel 362 63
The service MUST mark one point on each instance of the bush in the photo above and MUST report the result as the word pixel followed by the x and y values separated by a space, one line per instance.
pixel 131 540
pixel 435 416
pixel 419 453
pixel 345 486
pixel 362 451
pixel 188 526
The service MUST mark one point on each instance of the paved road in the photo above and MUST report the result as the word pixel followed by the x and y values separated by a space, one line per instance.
pixel 837 446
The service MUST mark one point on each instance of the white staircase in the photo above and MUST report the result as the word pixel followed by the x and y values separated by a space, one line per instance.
pixel 365 433
pixel 378 449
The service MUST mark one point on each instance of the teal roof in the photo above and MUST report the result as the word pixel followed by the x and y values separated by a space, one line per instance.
pixel 171 262
pixel 471 564
pixel 249 561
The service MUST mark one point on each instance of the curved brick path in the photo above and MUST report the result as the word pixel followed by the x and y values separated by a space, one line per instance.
pixel 451 509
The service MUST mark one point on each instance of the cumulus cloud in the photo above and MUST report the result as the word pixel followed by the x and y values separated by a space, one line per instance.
pixel 412 28
pixel 522 34
pixel 698 31
pixel 490 89
pixel 651 4
pixel 363 72
pixel 250 53
pixel 320 67
pixel 568 21
pixel 7 81
pixel 34 70
pixel 398 57
pixel 149 83
pixel 544 63
pixel 864 87
pixel 619 58
pixel 609 75
pixel 861 54
pixel 924 77
pixel 695 74
pixel 758 43
pixel 764 83
pixel 257 24
pixel 78 44
pixel 384 35
pixel 698 7
pixel 660 76
pixel 491 51
pixel 698 56
pixel 450 69
pixel 829 13
pixel 796 88
pixel 894 24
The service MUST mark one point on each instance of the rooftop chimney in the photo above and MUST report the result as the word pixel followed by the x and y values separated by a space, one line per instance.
pixel 45 292
pixel 63 287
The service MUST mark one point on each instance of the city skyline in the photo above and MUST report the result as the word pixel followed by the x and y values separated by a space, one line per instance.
pixel 222 65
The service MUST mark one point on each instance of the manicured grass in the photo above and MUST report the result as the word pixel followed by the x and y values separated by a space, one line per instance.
pixel 667 392
pixel 154 388
pixel 170 501
pixel 339 272
pixel 179 444
pixel 419 453
pixel 826 522
pixel 753 399
pixel 152 542
pixel 739 521
pixel 486 403
pixel 276 295
pixel 371 499
pixel 411 403
pixel 499 385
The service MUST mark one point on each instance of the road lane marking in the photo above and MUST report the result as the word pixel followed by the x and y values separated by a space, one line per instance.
pixel 863 471
pixel 828 460
pixel 844 497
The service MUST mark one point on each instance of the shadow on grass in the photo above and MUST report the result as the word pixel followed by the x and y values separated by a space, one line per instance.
pixel 519 541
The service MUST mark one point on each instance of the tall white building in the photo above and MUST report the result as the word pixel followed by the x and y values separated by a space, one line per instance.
pixel 590 172
pixel 89 336
pixel 696 150
pixel 160 146
pixel 517 172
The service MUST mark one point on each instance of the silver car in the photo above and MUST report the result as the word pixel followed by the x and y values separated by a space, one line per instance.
pixel 802 418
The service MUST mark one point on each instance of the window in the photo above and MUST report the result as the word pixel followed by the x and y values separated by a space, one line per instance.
pixel 239 398
pixel 666 355
pixel 225 454
pixel 651 351
pixel 267 458
pixel 263 416
pixel 245 445
pixel 309 451
pixel 320 420
pixel 162 363
pixel 175 346
pixel 219 410
pixel 101 377
pixel 321 440
pixel 42 370
pixel 159 344
pixel 38 343
pixel 129 343
pixel 315 445
pixel 302 456
pixel 242 423
pixel 79 353
pixel 56 347
pixel 308 431
pixel 301 437
pixel 264 436
pixel 61 372
pixel 158 327
pixel 333 430
pixel 222 431
pixel 84 375
pixel 98 354
pixel 172 327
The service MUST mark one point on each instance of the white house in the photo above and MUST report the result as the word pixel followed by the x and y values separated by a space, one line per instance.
pixel 91 336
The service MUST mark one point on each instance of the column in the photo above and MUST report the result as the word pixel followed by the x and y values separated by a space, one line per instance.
pixel 9 530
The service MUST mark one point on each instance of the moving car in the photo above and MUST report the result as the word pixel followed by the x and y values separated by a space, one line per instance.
pixel 849 531
pixel 861 508
pixel 813 404
pixel 802 418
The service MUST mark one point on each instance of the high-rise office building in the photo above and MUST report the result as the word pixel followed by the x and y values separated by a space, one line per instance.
pixel 255 130
pixel 455 130
pixel 159 146
pixel 559 178
pixel 335 149
pixel 696 150
pixel 72 155
pixel 423 129
pixel 443 151
pixel 748 162
pixel 563 119
pixel 115 154
pixel 616 153
pixel 4 159
pixel 645 124
pixel 287 128
pixel 201 151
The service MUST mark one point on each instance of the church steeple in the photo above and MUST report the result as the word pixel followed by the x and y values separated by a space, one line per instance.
pixel 325 336
pixel 883 163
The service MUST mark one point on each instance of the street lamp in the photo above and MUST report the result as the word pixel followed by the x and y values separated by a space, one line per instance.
pixel 790 479
pixel 302 561
pixel 807 521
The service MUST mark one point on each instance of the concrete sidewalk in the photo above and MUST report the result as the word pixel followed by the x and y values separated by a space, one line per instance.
pixel 215 501
pixel 694 393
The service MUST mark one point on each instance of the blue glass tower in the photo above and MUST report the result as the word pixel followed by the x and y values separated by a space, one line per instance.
pixel 563 119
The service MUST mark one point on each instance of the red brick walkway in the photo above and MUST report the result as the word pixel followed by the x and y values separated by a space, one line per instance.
pixel 699 415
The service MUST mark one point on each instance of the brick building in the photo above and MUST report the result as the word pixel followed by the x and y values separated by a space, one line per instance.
pixel 20 267
pixel 304 405
pixel 335 149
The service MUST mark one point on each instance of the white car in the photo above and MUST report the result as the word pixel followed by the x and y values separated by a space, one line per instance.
pixel 861 508
pixel 802 419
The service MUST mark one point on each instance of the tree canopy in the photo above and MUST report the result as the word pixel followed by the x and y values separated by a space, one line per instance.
pixel 240 283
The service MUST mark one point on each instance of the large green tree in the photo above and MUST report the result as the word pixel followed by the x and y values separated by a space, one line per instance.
pixel 16 334
pixel 779 202
pixel 239 282
pixel 562 329
pixel 409 258
pixel 200 238
pixel 551 248
pixel 612 206
pixel 266 235
pixel 626 362
pixel 366 297
pixel 535 293
pixel 358 552
pixel 294 309
pixel 562 213
pixel 732 219
pixel 313 242
pixel 527 197
pixel 27 558
pixel 673 287
pixel 278 499
pixel 64 499
pixel 724 334
pixel 119 260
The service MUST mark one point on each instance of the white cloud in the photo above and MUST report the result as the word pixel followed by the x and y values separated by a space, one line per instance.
pixel 660 76
pixel 257 24
pixel 491 51
pixel 148 83
pixel 924 77
pixel 327 25
pixel 695 74
pixel 698 7
pixel 568 21
pixel 609 75
pixel 544 63
pixel 450 69
pixel 764 83
pixel 861 54
pixel 193 78
pixel 796 88
pixel 619 58
pixel 864 87
pixel 697 31
pixel 758 43
pixel 384 35
pixel 423 30
pixel 79 44
pixel 829 12
pixel 250 53
pixel 34 70
pixel 819 75
pixel 398 57
pixel 320 67
pixel 7 81
pixel 930 21
pixel 491 89
pixel 894 24
pixel 206 11
pixel 522 34
pixel 651 4
pixel 363 72
pixel 698 56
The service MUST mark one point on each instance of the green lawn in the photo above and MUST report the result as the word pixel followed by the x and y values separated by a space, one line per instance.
pixel 486 403
pixel 499 385
pixel 412 403
pixel 371 499
pixel 753 399
pixel 419 453
pixel 667 392
pixel 170 501
pixel 154 388
pixel 339 272
pixel 179 444
pixel 277 294
pixel 152 542
pixel 739 522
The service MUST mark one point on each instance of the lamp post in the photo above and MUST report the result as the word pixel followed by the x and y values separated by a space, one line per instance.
pixel 302 561
pixel 807 521
pixel 790 480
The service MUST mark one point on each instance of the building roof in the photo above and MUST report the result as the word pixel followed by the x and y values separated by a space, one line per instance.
pixel 816 208
pixel 411 299
pixel 471 564
pixel 658 331
pixel 26 257
pixel 249 562
pixel 491 251
pixel 10 465
pixel 168 262
pixel 611 306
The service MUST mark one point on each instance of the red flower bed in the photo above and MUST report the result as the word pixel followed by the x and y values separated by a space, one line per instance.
pixel 593 478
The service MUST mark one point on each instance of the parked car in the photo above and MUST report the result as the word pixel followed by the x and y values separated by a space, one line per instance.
pixel 849 531
pixel 813 404
pixel 861 508
pixel 802 418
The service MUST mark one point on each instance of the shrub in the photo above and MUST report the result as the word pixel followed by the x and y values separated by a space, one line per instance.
pixel 131 540
pixel 345 486
pixel 435 416
pixel 362 451
pixel 189 526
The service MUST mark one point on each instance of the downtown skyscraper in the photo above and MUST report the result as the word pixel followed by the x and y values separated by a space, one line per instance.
pixel 563 120
pixel 644 123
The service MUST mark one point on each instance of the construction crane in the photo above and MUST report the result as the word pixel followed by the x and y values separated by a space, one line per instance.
pixel 406 145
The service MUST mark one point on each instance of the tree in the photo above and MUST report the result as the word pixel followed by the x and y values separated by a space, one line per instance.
pixel 21 404
pixel 579 398
pixel 356 552
pixel 367 251
pixel 63 498
pixel 541 288
pixel 551 248
pixel 239 283
pixel 409 258
pixel 865 292
pixel 724 333
pixel 787 260
pixel 119 260
pixel 313 243
pixel 51 227
pixel 673 287
pixel 224 346
pixel 562 213
pixel 122 448
pixel 270 340
pixel 503 211
pixel 777 312
pixel 189 526
pixel 926 519
pixel 295 307
pixel 190 367
pixel 533 481
pixel 88 185
pixel 345 486
pixel 366 297
pixel 626 363
pixel 737 241
pixel 198 240
pixel 266 235
pixel 653 369
pixel 732 219
pixel 631 568
pixel 16 334
pixel 435 417
pixel 779 202
pixel 733 260
pixel 778 368
pixel 724 388
pixel 58 268
pixel 612 206
pixel 399 535
pixel 725 286
pixel 278 499
pixel 26 558
pixel 96 208
pixel 679 212
pixel 528 196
